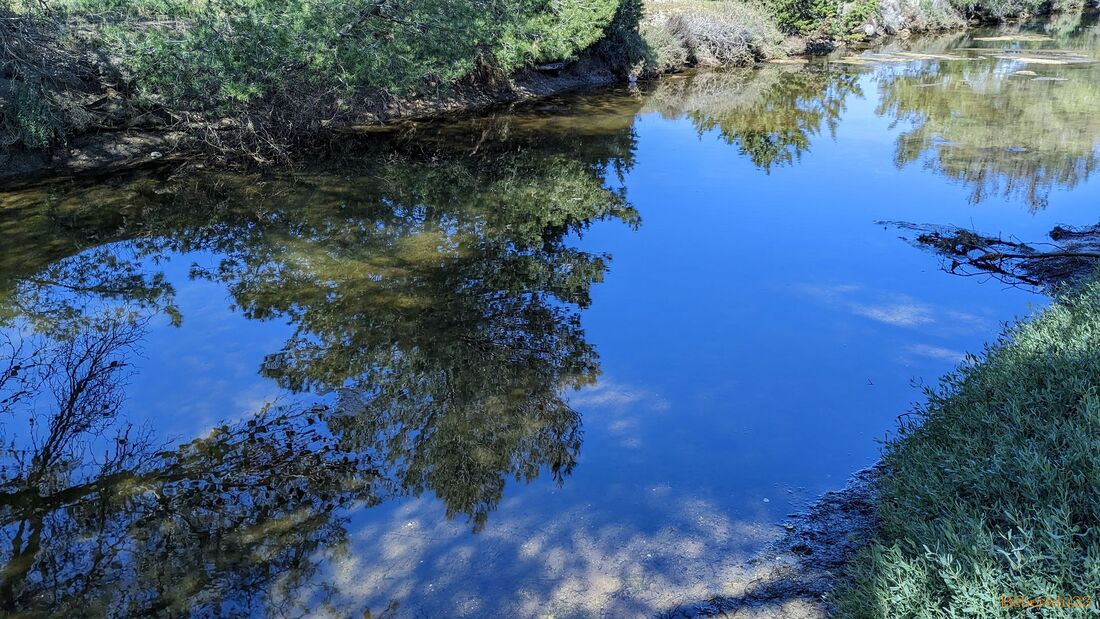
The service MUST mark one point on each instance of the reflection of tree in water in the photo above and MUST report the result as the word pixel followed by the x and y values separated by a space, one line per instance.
pixel 436 295
pixel 771 114
pixel 972 120
pixel 998 133
pixel 440 300
pixel 98 519
pixel 46 280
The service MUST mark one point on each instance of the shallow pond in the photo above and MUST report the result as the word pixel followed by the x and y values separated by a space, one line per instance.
pixel 578 359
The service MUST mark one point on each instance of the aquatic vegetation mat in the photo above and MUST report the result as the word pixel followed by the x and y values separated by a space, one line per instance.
pixel 1024 38
pixel 1036 59
pixel 898 57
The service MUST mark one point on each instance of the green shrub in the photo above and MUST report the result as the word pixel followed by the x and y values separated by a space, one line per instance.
pixel 263 73
pixel 667 52
pixel 802 16
pixel 1000 9
pixel 33 112
pixel 997 491
pixel 932 15
pixel 623 46
pixel 26 118
pixel 855 14
pixel 832 18
pixel 222 53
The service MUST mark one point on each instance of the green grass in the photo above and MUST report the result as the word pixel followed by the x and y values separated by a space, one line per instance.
pixel 996 491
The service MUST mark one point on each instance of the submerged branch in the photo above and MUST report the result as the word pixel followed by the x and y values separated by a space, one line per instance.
pixel 1072 253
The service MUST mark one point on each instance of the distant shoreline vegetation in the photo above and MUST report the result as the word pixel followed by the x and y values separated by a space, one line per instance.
pixel 254 79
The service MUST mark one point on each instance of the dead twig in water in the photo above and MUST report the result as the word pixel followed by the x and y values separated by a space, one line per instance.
pixel 1072 254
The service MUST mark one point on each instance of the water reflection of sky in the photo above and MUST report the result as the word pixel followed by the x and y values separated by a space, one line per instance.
pixel 757 335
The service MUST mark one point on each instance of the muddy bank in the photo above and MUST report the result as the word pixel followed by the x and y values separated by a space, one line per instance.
pixel 98 153
pixel 108 150
pixel 792 575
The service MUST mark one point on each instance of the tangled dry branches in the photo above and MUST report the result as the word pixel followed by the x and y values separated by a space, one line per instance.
pixel 1072 253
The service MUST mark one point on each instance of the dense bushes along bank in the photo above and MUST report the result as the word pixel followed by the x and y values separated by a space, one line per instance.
pixel 991 501
pixel 267 72
pixel 257 76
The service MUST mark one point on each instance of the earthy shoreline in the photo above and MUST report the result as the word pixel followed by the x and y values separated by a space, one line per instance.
pixel 124 149
pixel 114 150
pixel 795 572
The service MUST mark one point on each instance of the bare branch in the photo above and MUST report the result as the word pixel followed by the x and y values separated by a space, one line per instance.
pixel 1074 253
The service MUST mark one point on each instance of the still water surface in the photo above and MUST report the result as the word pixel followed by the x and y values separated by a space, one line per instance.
pixel 575 360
